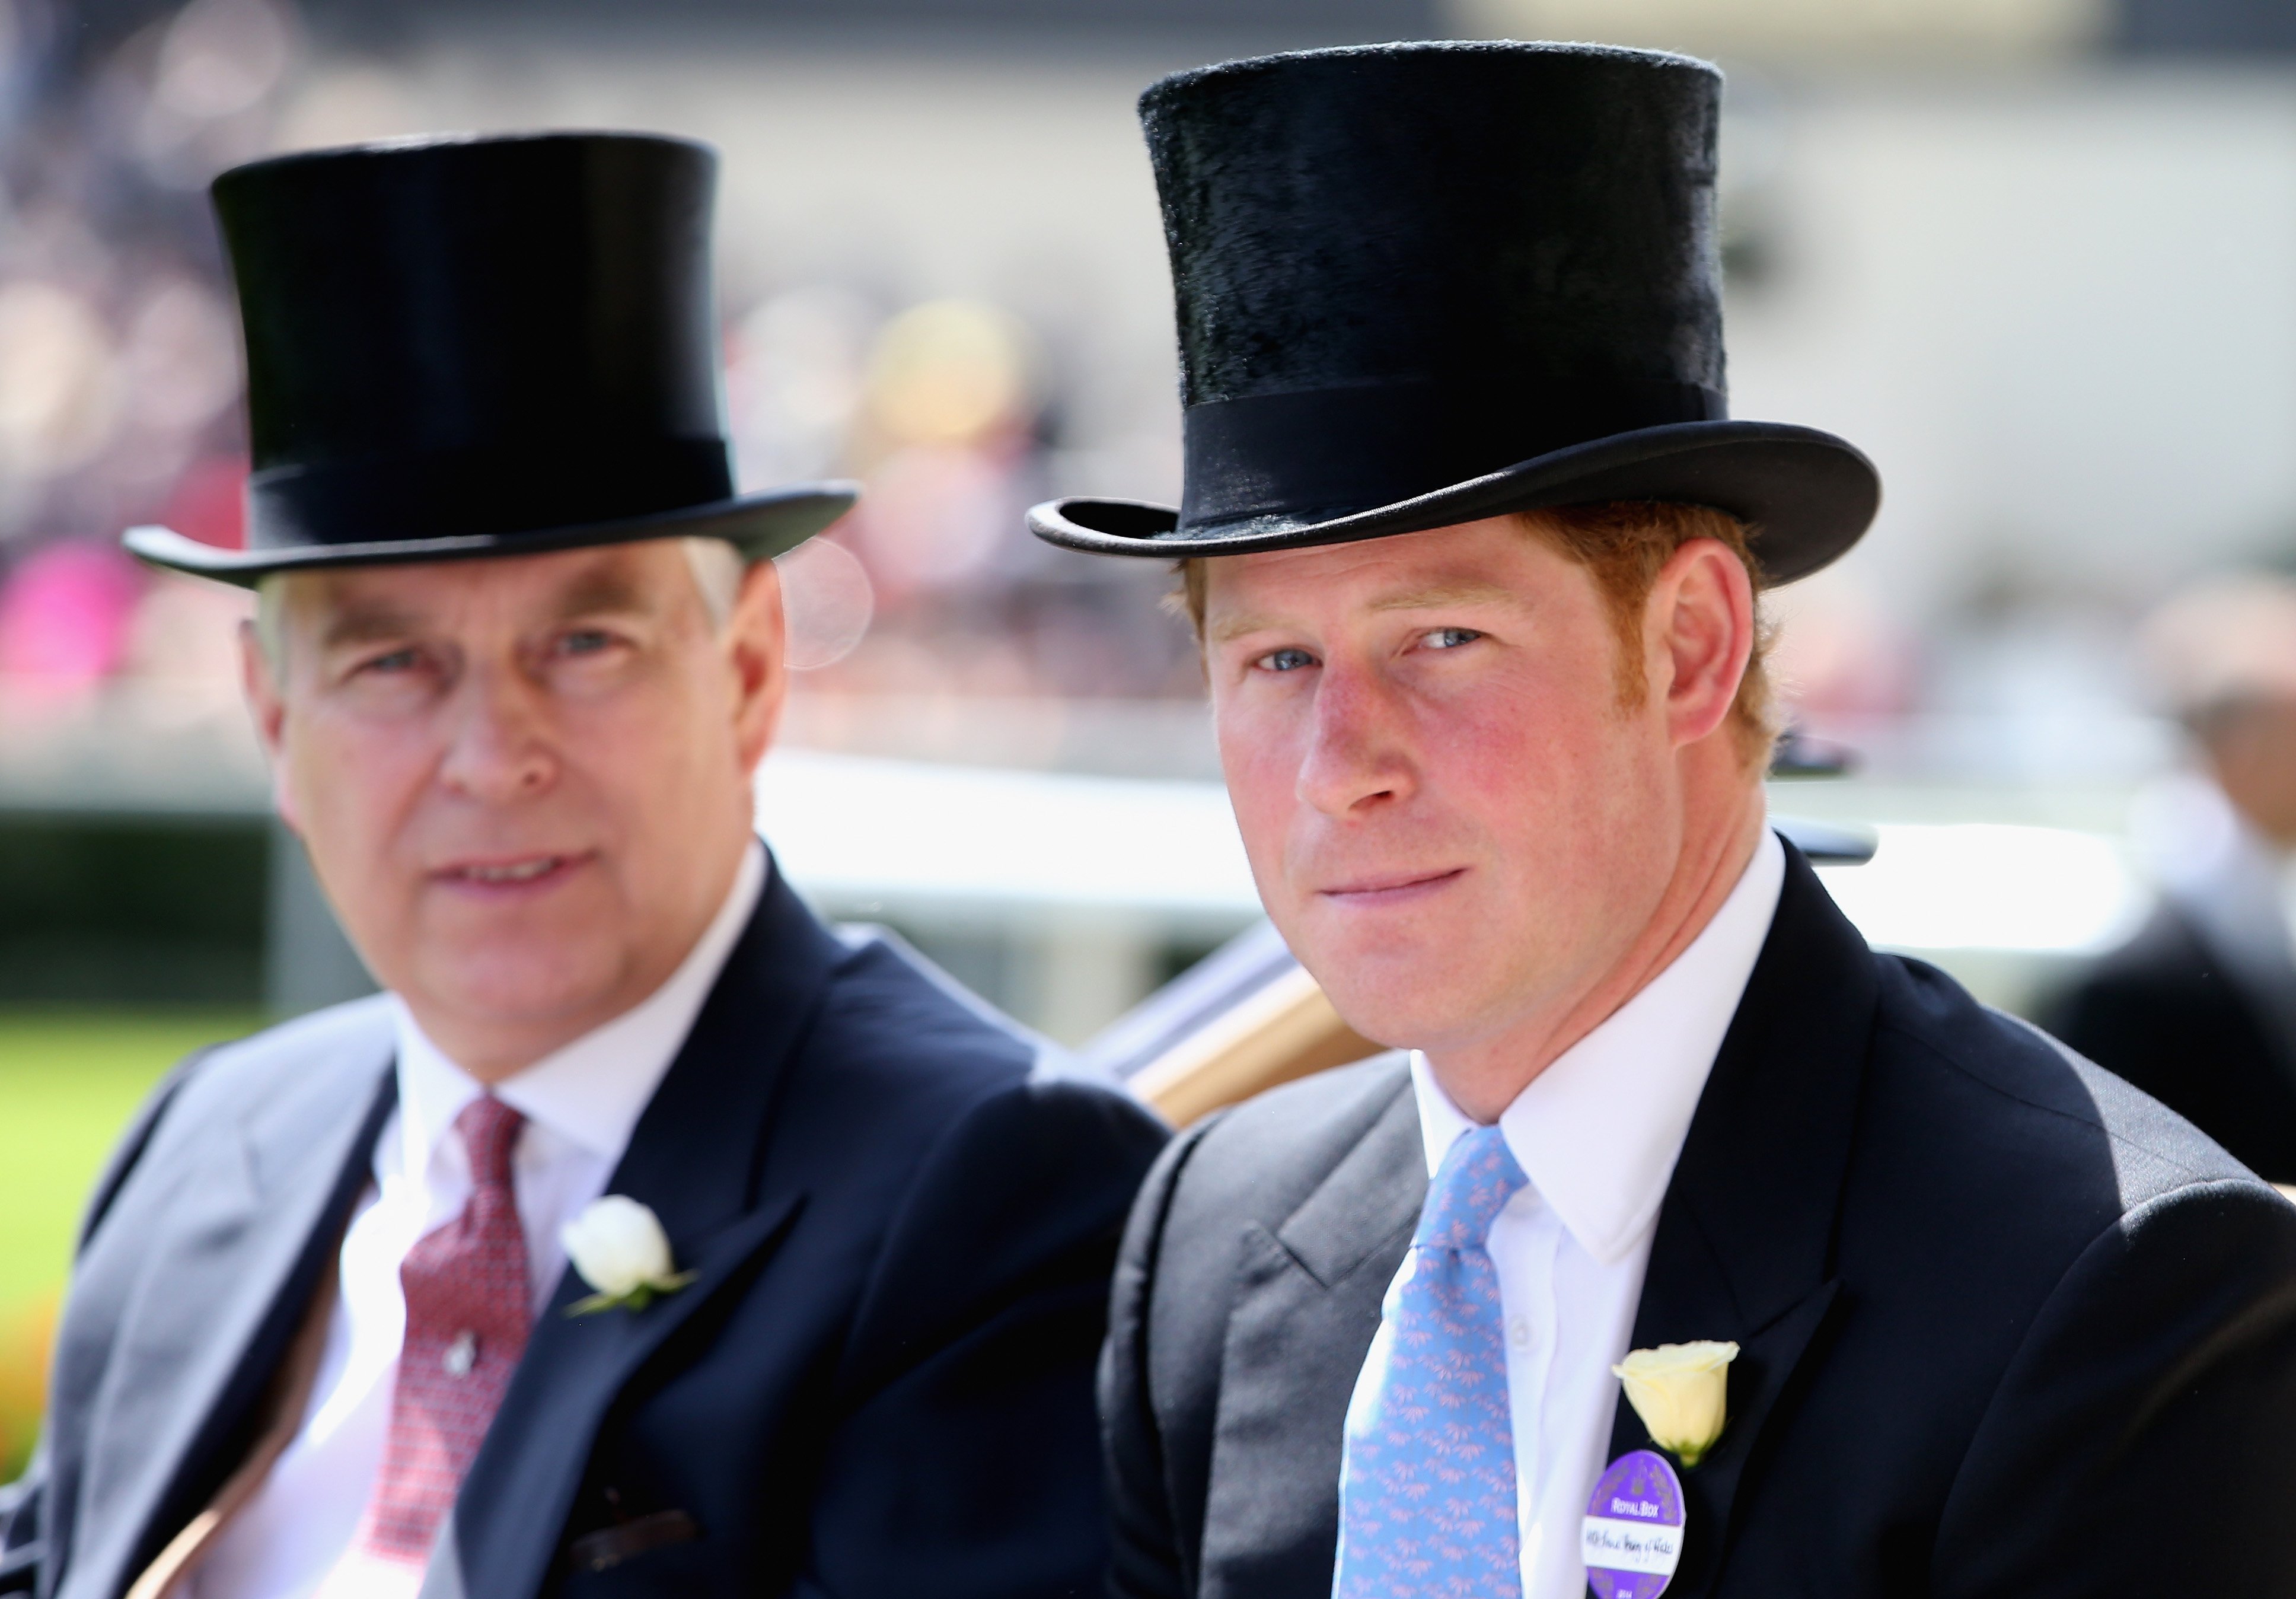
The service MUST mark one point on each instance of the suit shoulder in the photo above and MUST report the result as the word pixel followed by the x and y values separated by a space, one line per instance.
pixel 2030 1101
pixel 216 1080
pixel 284 1063
pixel 1261 1159
pixel 928 1055
pixel 279 1086
pixel 887 1004
pixel 1317 1103
pixel 2164 958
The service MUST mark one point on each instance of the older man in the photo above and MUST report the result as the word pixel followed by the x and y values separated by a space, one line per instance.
pixel 839 1251
pixel 1908 1299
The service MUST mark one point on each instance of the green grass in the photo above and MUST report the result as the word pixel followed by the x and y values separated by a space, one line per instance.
pixel 69 1082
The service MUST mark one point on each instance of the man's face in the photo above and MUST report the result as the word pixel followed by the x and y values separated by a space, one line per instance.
pixel 523 782
pixel 1452 816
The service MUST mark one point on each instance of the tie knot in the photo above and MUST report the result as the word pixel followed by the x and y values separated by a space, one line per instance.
pixel 489 1130
pixel 1473 1184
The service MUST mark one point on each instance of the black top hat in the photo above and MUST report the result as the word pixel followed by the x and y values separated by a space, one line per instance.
pixel 1420 284
pixel 481 347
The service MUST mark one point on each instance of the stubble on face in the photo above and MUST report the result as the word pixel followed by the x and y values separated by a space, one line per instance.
pixel 1453 818
pixel 523 782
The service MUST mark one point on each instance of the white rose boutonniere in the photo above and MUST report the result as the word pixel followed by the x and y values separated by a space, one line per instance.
pixel 1679 1390
pixel 618 1247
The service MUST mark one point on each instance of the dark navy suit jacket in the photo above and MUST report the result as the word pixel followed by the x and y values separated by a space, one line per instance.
pixel 2208 1037
pixel 2008 1327
pixel 878 1385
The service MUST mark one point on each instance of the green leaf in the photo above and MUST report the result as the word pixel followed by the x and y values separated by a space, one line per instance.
pixel 637 1298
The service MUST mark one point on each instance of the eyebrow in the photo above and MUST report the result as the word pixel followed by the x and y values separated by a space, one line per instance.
pixel 1236 627
pixel 1469 593
pixel 375 621
pixel 1432 597
pixel 603 591
pixel 367 624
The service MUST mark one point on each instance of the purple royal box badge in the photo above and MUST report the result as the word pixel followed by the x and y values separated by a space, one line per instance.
pixel 1632 1536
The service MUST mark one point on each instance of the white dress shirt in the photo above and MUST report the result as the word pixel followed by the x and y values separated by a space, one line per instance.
pixel 581 1102
pixel 1597 1132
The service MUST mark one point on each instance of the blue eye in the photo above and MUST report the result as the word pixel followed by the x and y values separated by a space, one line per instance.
pixel 1285 660
pixel 1451 638
pixel 398 660
pixel 588 642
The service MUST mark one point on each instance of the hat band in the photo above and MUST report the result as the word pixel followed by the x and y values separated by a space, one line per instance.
pixel 1324 452
pixel 508 489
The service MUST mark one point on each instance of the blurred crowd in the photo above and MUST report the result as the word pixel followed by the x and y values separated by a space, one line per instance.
pixel 120 380
pixel 2198 1008
pixel 947 411
pixel 119 387
pixel 119 358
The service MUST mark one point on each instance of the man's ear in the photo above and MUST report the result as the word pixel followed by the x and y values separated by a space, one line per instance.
pixel 1701 622
pixel 757 637
pixel 267 703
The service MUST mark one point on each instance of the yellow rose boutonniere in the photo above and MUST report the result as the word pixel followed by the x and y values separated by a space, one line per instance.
pixel 1679 1390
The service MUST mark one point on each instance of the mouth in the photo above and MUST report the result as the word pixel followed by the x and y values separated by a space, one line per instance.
pixel 509 871
pixel 1375 892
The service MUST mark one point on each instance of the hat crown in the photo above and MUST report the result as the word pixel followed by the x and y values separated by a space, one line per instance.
pixel 1421 284
pixel 1527 212
pixel 453 294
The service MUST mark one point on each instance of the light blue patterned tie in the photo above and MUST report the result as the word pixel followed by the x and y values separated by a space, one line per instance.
pixel 1427 1496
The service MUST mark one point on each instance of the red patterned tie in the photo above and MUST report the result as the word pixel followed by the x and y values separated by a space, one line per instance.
pixel 467 1314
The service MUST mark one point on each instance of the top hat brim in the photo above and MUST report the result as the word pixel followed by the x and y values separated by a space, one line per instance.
pixel 761 526
pixel 1806 495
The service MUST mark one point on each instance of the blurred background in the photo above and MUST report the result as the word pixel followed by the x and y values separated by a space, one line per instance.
pixel 2036 257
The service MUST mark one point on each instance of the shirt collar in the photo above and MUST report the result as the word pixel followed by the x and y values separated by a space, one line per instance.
pixel 593 1090
pixel 1597 1132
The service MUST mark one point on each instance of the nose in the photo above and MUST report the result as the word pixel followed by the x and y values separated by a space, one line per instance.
pixel 500 752
pixel 1357 758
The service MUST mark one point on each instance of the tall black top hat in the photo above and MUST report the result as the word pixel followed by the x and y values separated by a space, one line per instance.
pixel 481 347
pixel 1420 284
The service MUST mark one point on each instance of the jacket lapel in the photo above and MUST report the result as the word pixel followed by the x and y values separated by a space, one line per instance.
pixel 1307 1306
pixel 1743 1248
pixel 241 1243
pixel 693 1158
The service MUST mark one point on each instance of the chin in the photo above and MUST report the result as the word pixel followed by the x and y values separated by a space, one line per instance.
pixel 529 986
pixel 1398 1006
pixel 1406 992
